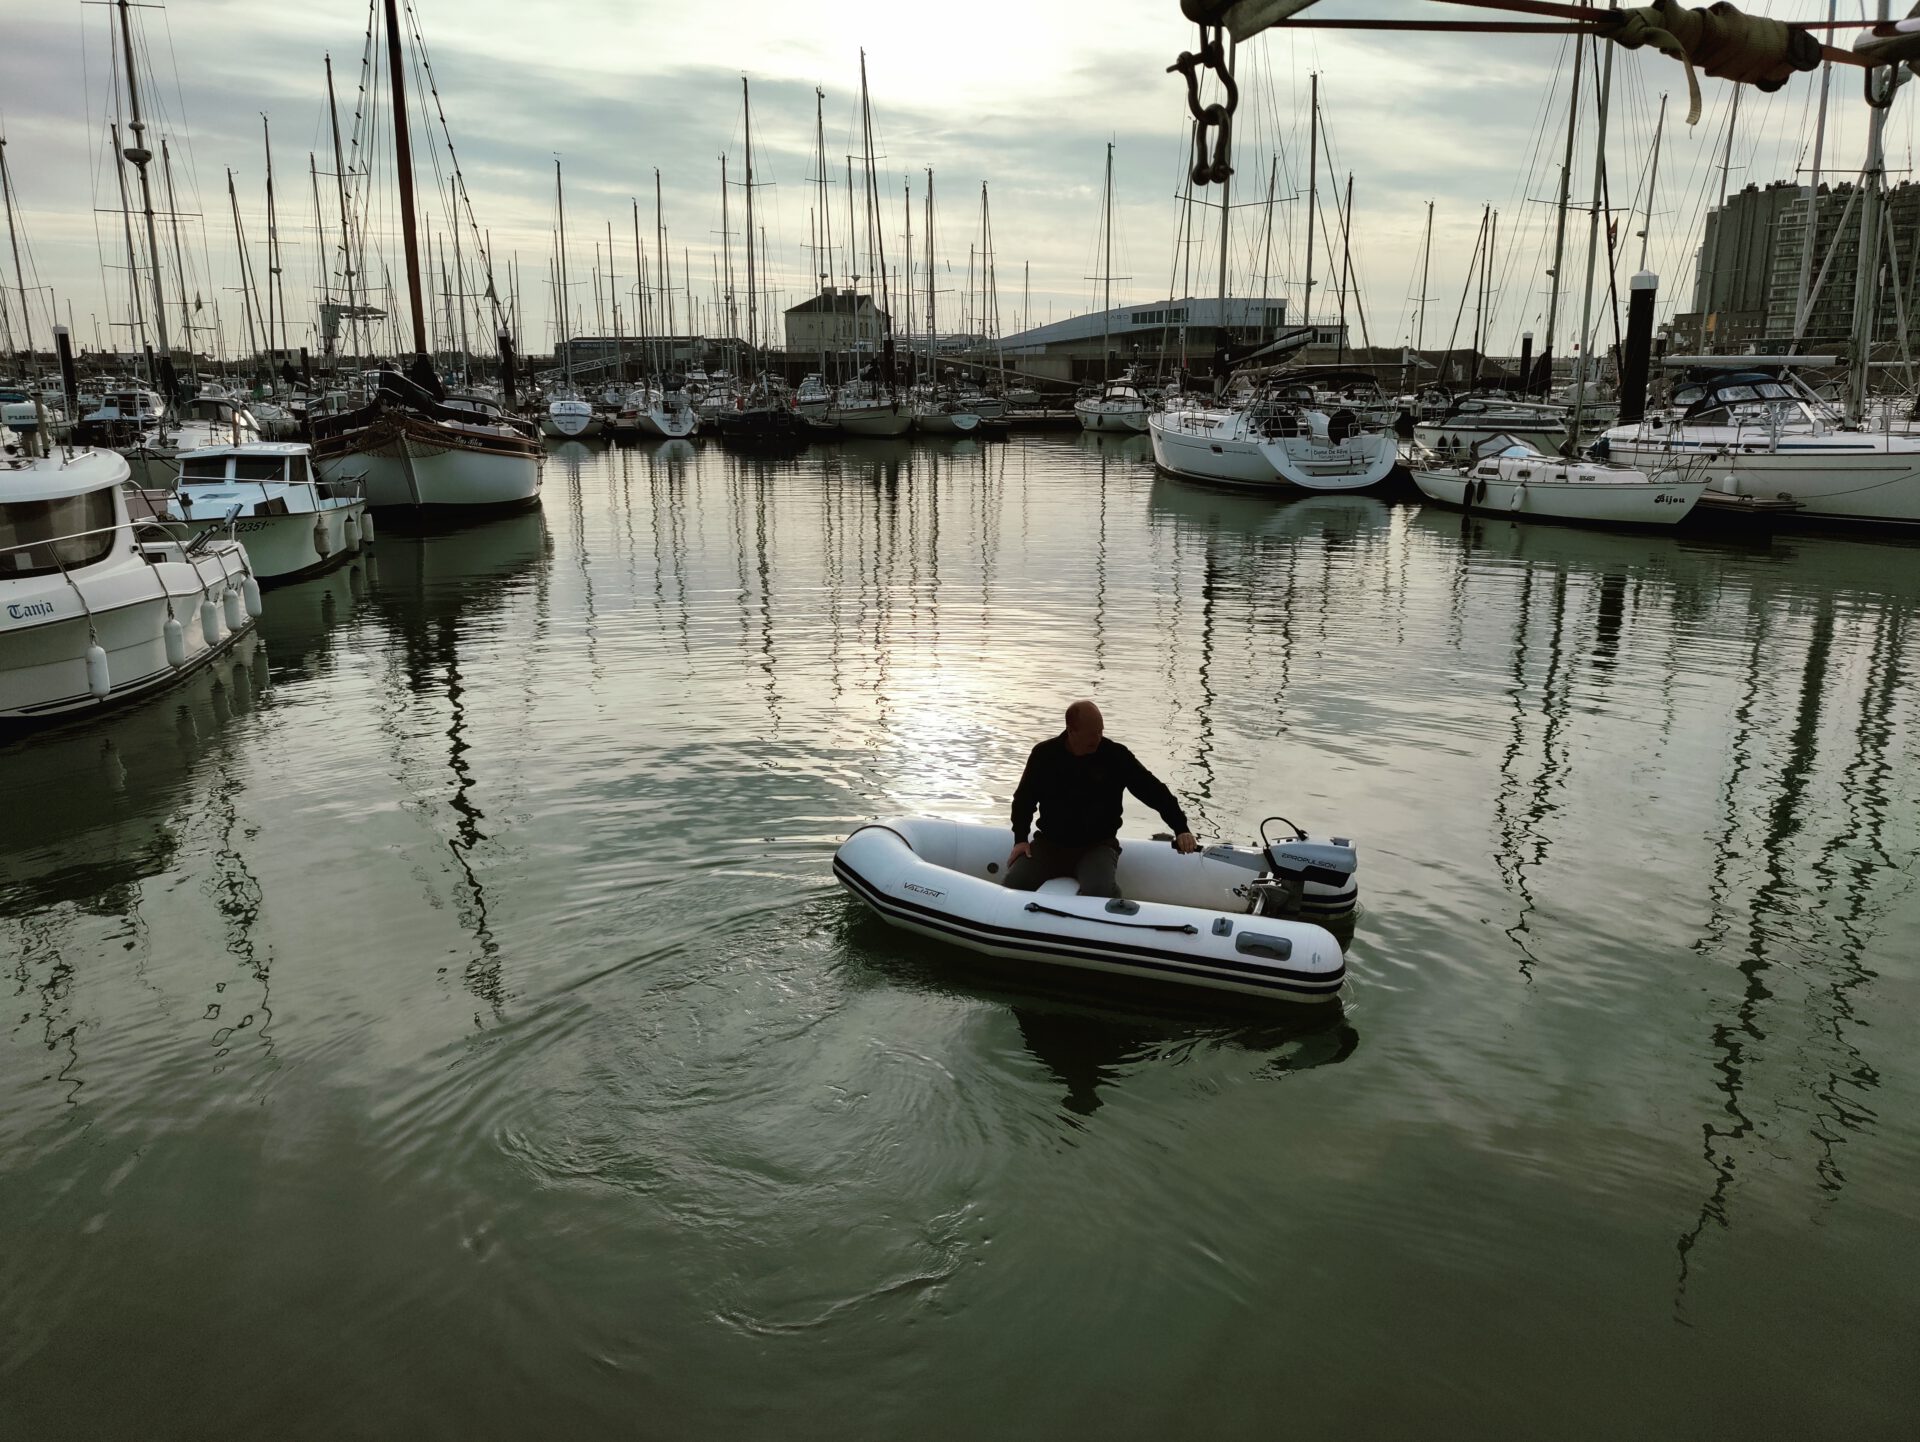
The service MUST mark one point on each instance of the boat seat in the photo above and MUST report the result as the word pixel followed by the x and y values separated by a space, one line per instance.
pixel 1059 886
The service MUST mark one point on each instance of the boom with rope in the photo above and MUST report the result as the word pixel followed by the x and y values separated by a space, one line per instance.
pixel 1721 40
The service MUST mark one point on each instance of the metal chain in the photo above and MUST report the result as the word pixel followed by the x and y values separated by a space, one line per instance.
pixel 1212 55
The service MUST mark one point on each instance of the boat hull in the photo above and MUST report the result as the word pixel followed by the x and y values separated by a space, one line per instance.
pixel 925 877
pixel 878 421
pixel 946 423
pixel 406 462
pixel 1093 416
pixel 1202 453
pixel 43 665
pixel 288 547
pixel 1860 481
pixel 1316 464
pixel 1657 502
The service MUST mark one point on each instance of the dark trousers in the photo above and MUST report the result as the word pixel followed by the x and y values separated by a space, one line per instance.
pixel 1092 866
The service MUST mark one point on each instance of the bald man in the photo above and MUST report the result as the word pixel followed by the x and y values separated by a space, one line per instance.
pixel 1076 779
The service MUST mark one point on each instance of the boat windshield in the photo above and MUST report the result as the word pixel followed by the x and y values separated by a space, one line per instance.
pixel 41 537
pixel 259 468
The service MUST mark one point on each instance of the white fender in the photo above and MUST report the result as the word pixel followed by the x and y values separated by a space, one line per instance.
pixel 350 532
pixel 366 528
pixel 250 593
pixel 175 637
pixel 235 611
pixel 322 542
pixel 98 681
pixel 210 621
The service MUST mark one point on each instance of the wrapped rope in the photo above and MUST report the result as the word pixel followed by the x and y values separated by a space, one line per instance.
pixel 1721 40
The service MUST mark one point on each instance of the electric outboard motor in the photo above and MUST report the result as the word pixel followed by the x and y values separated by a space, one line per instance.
pixel 1308 878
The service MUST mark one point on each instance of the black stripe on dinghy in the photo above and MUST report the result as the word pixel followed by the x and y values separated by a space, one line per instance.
pixel 1270 978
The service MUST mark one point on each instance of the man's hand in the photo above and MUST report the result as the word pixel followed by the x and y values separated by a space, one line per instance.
pixel 1185 844
pixel 1020 849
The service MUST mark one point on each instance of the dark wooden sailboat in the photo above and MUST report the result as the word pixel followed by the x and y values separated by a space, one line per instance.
pixel 408 446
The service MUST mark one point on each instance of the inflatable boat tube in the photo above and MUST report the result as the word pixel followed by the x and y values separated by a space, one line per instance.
pixel 943 879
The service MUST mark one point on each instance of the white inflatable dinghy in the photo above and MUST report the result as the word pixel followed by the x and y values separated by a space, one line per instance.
pixel 1227 918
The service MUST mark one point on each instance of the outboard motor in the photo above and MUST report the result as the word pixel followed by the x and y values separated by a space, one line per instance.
pixel 1305 878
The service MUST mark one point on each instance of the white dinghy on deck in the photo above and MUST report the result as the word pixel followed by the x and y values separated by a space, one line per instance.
pixel 1231 919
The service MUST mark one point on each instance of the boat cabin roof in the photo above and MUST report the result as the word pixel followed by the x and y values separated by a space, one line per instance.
pixel 248 448
pixel 1738 388
pixel 55 477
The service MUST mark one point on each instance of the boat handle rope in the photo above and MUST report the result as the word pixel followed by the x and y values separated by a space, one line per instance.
pixel 876 826
pixel 1181 926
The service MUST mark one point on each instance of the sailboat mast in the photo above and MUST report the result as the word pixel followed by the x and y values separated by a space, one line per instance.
pixel 1313 192
pixel 931 288
pixel 1593 245
pixel 403 159
pixel 906 303
pixel 823 258
pixel 137 314
pixel 13 239
pixel 613 292
pixel 1560 216
pixel 753 333
pixel 340 187
pixel 560 276
pixel 1426 266
pixel 138 153
pixel 1106 303
pixel 1266 248
pixel 1346 265
pixel 240 243
pixel 1867 272
pixel 876 230
pixel 276 290
pixel 179 255
pixel 640 271
pixel 1801 305
pixel 1653 174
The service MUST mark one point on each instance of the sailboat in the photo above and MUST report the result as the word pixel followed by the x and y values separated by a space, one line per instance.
pixel 411 449
pixel 761 415
pixel 569 415
pixel 1117 405
pixel 873 405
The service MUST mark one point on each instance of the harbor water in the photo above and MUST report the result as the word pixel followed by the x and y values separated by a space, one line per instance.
pixel 440 1020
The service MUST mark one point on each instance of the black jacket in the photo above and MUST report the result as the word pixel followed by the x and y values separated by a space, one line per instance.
pixel 1079 796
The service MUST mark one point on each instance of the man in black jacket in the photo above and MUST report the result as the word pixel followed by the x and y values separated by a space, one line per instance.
pixel 1076 779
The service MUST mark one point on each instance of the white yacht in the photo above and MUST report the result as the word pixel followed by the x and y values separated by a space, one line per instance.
pixel 938 415
pixel 266 494
pixel 861 409
pixel 1118 406
pixel 666 415
pixel 1752 434
pixel 1271 437
pixel 1215 443
pixel 1317 451
pixel 570 418
pixel 1514 481
pixel 96 606
pixel 812 397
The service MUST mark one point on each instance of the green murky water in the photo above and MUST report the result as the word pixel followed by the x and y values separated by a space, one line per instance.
pixel 441 1021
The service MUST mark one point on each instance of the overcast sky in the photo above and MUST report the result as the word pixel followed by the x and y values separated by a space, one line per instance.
pixel 1023 96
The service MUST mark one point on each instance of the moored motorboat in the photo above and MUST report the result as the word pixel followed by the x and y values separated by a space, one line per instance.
pixel 96 607
pixel 267 496
pixel 1237 920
